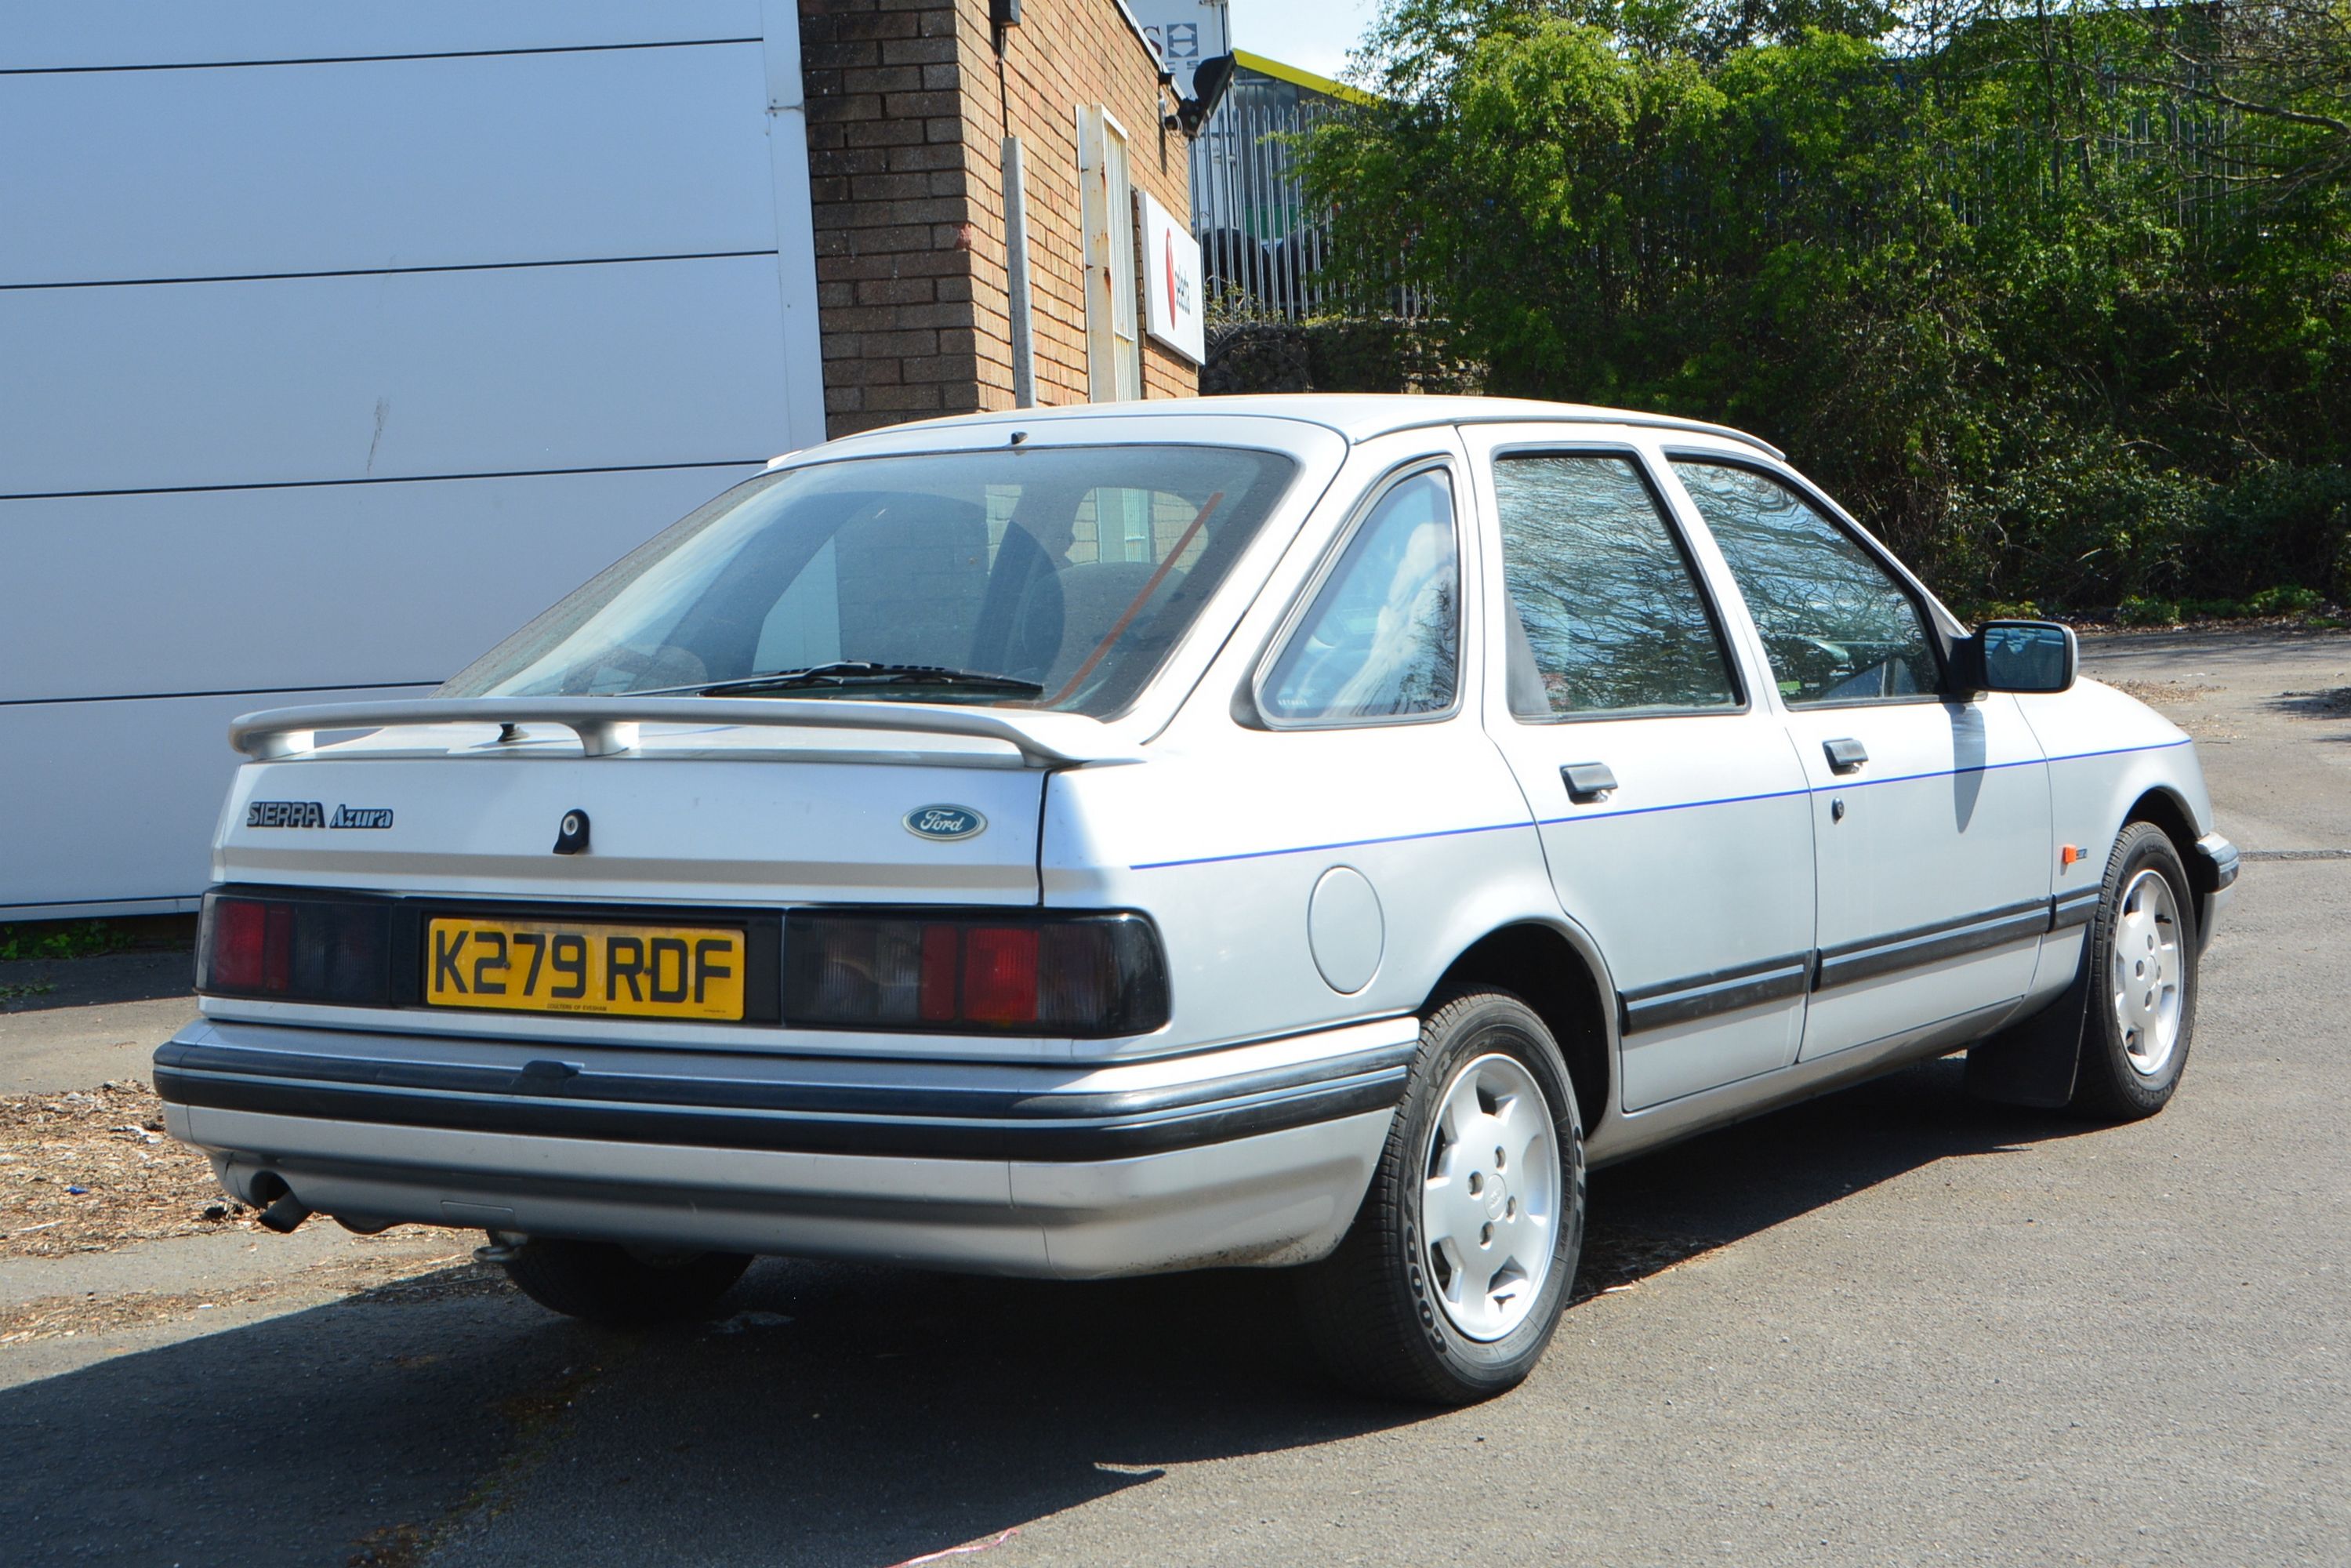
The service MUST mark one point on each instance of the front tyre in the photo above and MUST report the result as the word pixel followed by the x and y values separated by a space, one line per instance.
pixel 2141 968
pixel 621 1287
pixel 1451 1281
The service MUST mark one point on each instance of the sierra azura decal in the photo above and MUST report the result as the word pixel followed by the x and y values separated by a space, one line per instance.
pixel 311 814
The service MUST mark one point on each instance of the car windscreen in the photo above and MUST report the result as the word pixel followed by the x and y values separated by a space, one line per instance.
pixel 1041 576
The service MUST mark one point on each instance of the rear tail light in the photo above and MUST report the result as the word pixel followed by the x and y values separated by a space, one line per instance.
pixel 1088 975
pixel 294 949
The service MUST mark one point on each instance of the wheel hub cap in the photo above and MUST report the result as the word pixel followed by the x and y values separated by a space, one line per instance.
pixel 1489 1201
pixel 2147 970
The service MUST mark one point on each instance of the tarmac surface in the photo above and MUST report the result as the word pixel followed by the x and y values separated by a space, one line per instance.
pixel 1887 1326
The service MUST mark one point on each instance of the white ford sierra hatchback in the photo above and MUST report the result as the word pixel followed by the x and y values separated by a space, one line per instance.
pixel 1304 831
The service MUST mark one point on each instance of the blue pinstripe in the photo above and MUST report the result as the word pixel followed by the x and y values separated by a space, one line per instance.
pixel 1644 810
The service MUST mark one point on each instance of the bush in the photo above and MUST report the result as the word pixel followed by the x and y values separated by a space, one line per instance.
pixel 2034 370
pixel 61 940
pixel 1336 355
pixel 2137 610
pixel 2285 602
pixel 2277 524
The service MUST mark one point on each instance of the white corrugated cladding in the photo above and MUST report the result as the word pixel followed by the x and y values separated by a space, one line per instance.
pixel 336 342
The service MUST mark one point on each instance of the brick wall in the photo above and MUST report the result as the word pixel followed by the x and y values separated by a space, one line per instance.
pixel 908 102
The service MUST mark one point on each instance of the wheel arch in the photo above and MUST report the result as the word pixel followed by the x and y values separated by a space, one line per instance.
pixel 2163 807
pixel 1556 971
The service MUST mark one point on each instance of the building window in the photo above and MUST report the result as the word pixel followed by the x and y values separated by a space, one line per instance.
pixel 1113 354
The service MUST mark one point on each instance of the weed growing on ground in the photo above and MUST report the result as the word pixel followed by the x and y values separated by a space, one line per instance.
pixel 61 940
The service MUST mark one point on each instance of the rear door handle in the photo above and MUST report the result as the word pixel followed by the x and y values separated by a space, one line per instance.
pixel 1845 756
pixel 1588 781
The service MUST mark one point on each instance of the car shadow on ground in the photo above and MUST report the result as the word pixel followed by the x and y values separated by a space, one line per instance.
pixel 829 1415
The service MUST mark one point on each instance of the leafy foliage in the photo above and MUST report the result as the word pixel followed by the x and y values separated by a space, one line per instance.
pixel 61 940
pixel 2055 303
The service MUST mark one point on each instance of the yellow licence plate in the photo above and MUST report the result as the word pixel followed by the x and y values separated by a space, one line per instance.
pixel 562 967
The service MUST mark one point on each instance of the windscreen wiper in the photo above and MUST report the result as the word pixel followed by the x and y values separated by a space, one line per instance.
pixel 856 674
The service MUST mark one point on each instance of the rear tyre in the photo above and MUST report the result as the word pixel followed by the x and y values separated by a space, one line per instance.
pixel 2141 969
pixel 602 1283
pixel 1451 1281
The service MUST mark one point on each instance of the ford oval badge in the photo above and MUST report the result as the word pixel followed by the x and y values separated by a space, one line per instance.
pixel 945 822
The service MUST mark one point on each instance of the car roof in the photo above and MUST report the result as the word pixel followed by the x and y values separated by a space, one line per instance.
pixel 1355 417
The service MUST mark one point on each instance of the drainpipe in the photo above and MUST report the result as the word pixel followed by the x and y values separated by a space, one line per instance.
pixel 1016 277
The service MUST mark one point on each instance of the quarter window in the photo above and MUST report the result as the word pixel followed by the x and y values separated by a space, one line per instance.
pixel 1604 614
pixel 1837 626
pixel 1384 635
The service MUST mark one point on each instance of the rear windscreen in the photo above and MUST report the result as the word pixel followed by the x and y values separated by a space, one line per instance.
pixel 1067 570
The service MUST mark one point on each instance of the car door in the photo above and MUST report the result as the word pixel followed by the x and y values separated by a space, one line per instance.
pixel 1930 813
pixel 1673 813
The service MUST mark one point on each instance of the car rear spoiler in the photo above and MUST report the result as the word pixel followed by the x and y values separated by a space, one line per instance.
pixel 608 726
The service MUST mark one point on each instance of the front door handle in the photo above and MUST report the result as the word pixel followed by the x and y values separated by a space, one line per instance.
pixel 1588 781
pixel 1845 756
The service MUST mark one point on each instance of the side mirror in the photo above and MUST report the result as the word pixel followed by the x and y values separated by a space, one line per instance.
pixel 2019 656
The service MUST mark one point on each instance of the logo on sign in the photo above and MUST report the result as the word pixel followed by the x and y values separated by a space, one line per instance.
pixel 945 822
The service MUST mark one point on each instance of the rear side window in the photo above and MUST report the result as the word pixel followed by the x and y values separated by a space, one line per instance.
pixel 1603 613
pixel 1383 637
pixel 1837 625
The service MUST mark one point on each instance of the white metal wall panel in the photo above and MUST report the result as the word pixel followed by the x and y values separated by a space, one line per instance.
pixel 128 591
pixel 82 35
pixel 471 161
pixel 141 778
pixel 390 376
pixel 335 342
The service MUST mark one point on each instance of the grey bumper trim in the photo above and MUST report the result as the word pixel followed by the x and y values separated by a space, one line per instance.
pixel 2221 860
pixel 716 1102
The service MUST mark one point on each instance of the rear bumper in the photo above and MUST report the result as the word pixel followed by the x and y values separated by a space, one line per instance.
pixel 1256 1154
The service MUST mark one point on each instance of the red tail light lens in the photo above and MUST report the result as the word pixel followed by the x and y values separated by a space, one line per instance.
pixel 294 949
pixel 1087 976
pixel 1000 975
pixel 234 930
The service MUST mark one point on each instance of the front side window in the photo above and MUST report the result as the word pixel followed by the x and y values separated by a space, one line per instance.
pixel 1054 577
pixel 1837 625
pixel 1607 618
pixel 1383 637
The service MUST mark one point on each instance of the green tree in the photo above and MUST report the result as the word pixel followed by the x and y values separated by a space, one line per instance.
pixel 2056 324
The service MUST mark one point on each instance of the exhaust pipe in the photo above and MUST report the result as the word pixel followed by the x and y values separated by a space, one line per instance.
pixel 280 1210
pixel 284 1213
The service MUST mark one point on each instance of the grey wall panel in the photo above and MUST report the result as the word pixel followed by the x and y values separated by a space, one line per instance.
pixel 390 163
pixel 188 590
pixel 107 801
pixel 390 376
pixel 82 34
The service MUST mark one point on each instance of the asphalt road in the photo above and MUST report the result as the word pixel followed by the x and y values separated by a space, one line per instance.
pixel 1888 1326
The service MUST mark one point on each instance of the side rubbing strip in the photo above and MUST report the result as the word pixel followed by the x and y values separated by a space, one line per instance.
pixel 1937 944
pixel 1725 990
pixel 2073 909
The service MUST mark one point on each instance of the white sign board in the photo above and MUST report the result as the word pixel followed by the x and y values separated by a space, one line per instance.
pixel 1172 292
pixel 1185 32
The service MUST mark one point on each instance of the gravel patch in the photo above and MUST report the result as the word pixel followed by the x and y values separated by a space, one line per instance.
pixel 92 1169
